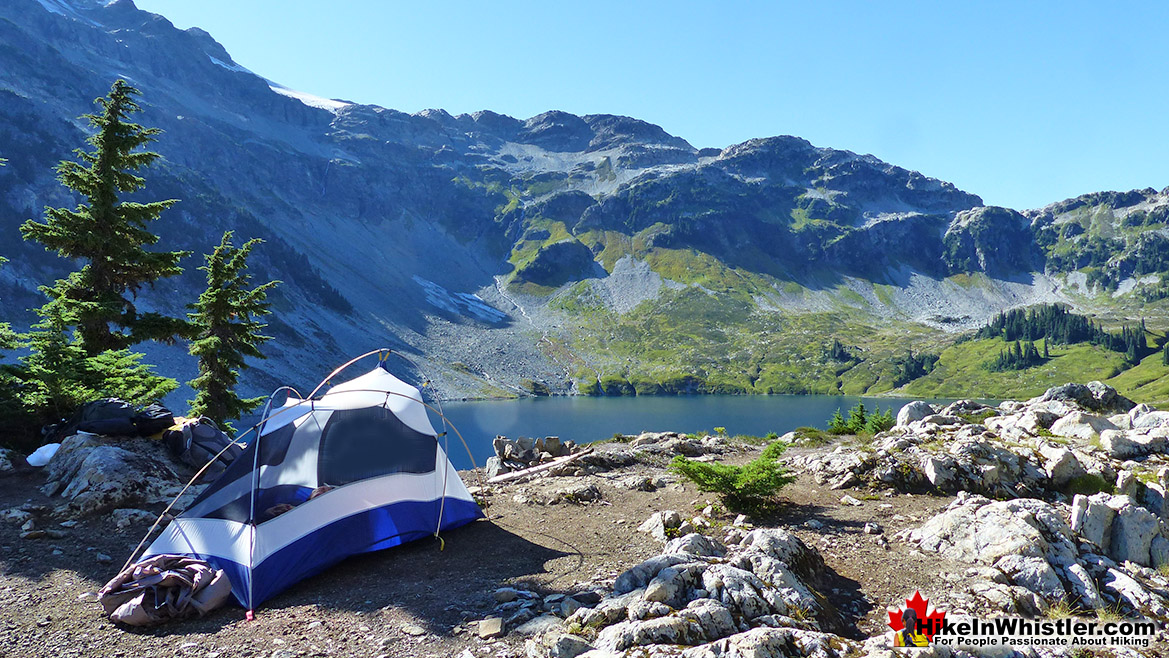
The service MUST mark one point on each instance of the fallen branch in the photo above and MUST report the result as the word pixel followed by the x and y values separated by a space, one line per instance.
pixel 536 470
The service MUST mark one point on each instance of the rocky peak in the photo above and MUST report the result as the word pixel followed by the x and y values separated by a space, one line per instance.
pixel 990 239
pixel 556 131
pixel 612 131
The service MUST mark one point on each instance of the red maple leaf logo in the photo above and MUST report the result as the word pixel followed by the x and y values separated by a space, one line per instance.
pixel 930 620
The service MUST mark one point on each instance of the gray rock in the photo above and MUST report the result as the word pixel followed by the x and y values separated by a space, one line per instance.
pixel 1151 419
pixel 1132 531
pixel 506 594
pixel 495 466
pixel 1137 412
pixel 642 609
pixel 1134 443
pixel 1122 421
pixel 1092 519
pixel 96 475
pixel 16 516
pixel 579 493
pixel 1033 573
pixel 913 411
pixel 1083 586
pixel 588 597
pixel 540 625
pixel 671 584
pixel 1093 396
pixel 491 628
pixel 1081 426
pixel 637 483
pixel 791 588
pixel 941 420
pixel 640 575
pixel 663 630
pixel 872 529
pixel 1034 420
pixel 568 606
pixel 556 645
pixel 648 438
pixel 1126 483
pixel 683 446
pixel 939 472
pixel 8 460
pixel 1060 464
pixel 742 591
pixel 695 544
pixel 552 445
pixel 607 611
pixel 659 522
pixel 767 642
pixel 1158 552
pixel 975 530
pixel 786 548
pixel 127 517
pixel 1131 591
pixel 714 618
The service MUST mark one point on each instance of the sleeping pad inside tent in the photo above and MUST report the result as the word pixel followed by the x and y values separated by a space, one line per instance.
pixel 357 470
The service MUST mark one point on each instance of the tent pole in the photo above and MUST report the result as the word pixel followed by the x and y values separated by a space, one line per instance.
pixel 252 513
pixel 344 366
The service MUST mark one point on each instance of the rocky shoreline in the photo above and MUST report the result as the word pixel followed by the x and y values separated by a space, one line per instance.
pixel 1047 508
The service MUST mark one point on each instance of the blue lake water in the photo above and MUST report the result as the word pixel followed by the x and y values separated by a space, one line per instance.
pixel 585 419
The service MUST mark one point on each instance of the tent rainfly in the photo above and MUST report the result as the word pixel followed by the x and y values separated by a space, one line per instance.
pixel 357 470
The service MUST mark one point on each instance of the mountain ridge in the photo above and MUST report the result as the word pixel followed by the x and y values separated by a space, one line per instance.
pixel 402 229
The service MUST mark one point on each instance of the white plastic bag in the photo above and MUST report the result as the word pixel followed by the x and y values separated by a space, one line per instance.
pixel 43 454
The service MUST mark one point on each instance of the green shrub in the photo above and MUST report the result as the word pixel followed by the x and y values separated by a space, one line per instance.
pixel 1089 484
pixel 878 422
pixel 861 421
pixel 810 437
pixel 747 488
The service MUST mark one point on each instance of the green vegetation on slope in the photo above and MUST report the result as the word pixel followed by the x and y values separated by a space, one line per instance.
pixel 695 340
pixel 960 371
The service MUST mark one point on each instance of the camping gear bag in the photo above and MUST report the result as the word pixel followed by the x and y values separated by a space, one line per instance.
pixel 197 441
pixel 153 419
pixel 108 416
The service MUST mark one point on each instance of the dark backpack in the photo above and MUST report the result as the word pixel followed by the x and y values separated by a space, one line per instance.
pixel 153 419
pixel 197 442
pixel 109 416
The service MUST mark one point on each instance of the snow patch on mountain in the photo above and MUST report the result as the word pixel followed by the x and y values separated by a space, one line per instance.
pixel 459 303
pixel 329 104
pixel 229 67
pixel 64 9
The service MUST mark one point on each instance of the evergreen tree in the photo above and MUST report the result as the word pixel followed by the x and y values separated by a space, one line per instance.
pixel 836 424
pixel 110 236
pixel 879 422
pixel 837 352
pixel 57 375
pixel 7 337
pixel 227 326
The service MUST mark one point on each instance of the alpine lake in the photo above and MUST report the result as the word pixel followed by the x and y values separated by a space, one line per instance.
pixel 585 419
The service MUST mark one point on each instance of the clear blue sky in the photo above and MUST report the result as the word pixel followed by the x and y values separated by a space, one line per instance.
pixel 1023 103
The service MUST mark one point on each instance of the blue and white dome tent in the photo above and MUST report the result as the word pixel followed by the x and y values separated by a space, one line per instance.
pixel 355 470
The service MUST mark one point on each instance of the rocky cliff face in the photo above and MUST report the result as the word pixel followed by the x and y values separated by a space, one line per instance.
pixel 457 238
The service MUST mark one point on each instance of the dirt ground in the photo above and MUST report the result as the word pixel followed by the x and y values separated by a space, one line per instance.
pixel 418 600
